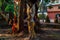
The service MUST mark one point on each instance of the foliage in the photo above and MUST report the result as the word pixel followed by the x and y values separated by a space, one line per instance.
pixel 50 7
pixel 32 1
pixel 0 3
pixel 6 5
pixel 0 9
pixel 47 19
pixel 44 8
pixel 40 16
pixel 47 1
pixel 9 1
pixel 9 8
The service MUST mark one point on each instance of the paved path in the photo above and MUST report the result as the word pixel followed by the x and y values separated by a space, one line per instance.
pixel 49 34
pixel 50 24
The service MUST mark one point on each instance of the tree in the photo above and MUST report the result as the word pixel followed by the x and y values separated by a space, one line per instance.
pixel 47 19
pixel 31 25
pixel 6 6
pixel 2 7
pixel 56 20
pixel 43 6
pixel 32 8
pixel 10 9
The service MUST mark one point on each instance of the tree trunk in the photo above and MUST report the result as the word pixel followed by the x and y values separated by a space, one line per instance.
pixel 31 23
pixel 36 17
pixel 21 17
pixel 25 18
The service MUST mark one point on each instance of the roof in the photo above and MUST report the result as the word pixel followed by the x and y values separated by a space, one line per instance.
pixel 52 4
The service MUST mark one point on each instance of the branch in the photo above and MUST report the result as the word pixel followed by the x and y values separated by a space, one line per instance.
pixel 4 17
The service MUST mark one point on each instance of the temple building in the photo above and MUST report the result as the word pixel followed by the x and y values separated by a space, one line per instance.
pixel 53 10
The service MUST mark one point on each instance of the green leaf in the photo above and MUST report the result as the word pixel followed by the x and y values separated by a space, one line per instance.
pixel 9 8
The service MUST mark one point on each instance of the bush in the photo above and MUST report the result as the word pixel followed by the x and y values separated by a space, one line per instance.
pixel 40 16
pixel 47 19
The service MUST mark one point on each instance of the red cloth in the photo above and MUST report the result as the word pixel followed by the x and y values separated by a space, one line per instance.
pixel 13 27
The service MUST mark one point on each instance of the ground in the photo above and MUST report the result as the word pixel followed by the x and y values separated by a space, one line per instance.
pixel 45 34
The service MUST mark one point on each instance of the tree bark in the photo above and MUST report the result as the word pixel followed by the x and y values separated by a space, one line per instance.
pixel 21 17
